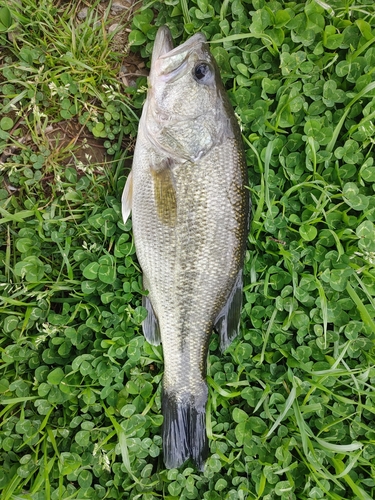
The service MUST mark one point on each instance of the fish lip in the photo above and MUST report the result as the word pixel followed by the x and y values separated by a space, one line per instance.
pixel 188 46
pixel 163 51
pixel 163 43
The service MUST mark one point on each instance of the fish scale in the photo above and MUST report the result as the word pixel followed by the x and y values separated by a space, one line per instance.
pixel 187 192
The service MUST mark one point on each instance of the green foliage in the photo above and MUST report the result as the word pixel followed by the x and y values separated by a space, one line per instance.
pixel 75 76
pixel 291 406
pixel 5 19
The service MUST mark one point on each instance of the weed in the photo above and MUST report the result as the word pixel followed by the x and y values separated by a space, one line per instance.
pixel 291 406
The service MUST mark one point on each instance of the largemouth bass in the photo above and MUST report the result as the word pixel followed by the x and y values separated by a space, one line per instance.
pixel 190 213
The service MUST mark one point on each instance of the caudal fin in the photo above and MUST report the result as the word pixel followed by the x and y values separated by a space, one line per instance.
pixel 184 429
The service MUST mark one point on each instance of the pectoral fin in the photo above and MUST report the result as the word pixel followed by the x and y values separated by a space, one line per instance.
pixel 127 196
pixel 150 325
pixel 165 192
pixel 227 321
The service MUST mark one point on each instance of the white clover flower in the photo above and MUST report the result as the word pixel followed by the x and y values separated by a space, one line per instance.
pixel 59 183
pixel 92 248
pixel 53 88
pixel 37 113
pixel 106 462
pixel 142 90
pixel 49 329
pixel 80 165
pixel 40 339
pixel 103 458
pixel 369 257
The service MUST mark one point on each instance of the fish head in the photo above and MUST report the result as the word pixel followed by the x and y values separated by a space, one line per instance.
pixel 185 98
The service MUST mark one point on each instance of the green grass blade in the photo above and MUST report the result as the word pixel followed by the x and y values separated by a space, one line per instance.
pixel 361 307
pixel 288 404
pixel 359 95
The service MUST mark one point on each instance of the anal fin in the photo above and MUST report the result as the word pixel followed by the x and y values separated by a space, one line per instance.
pixel 227 321
pixel 150 325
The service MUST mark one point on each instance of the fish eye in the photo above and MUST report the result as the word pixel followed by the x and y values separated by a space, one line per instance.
pixel 202 72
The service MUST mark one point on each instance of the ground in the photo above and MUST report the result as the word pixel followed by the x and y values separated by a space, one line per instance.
pixel 291 406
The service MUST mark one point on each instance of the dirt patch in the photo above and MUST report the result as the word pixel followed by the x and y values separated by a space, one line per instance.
pixel 70 135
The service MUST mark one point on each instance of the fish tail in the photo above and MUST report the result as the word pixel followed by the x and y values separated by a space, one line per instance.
pixel 198 435
pixel 184 428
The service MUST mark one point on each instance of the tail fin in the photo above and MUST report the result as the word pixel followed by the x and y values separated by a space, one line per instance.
pixel 184 429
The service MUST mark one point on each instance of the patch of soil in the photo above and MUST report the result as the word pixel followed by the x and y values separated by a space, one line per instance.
pixel 69 134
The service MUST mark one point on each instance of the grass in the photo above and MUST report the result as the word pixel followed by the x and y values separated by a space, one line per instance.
pixel 291 403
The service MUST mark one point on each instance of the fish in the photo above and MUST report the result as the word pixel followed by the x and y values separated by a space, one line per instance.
pixel 190 204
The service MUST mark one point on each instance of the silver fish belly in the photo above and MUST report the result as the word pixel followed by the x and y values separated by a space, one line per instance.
pixel 190 212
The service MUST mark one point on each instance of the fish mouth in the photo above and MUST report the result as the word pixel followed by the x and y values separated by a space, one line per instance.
pixel 169 62
pixel 163 43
